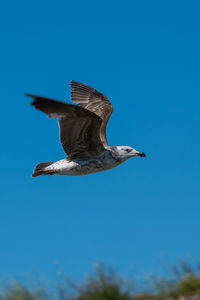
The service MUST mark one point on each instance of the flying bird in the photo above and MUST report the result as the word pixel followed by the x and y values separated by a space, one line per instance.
pixel 82 133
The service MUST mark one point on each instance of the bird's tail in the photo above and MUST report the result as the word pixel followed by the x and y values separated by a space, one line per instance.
pixel 43 169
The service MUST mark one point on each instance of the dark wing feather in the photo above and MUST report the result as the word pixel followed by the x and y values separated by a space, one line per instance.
pixel 93 101
pixel 79 128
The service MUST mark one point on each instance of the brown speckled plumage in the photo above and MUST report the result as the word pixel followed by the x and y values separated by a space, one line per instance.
pixel 82 133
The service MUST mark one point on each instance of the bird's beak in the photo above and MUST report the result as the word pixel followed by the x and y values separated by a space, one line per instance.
pixel 138 153
pixel 142 154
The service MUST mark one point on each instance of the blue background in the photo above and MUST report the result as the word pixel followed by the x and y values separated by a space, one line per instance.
pixel 144 56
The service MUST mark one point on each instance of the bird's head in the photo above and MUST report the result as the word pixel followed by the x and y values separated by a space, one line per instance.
pixel 126 152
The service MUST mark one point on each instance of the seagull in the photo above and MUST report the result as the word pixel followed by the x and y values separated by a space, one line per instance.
pixel 82 130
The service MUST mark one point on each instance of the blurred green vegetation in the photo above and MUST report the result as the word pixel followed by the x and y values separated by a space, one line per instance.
pixel 17 291
pixel 105 284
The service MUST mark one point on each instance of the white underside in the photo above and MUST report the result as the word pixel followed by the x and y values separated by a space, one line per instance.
pixel 84 166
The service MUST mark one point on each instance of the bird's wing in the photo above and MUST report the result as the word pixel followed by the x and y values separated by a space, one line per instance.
pixel 79 128
pixel 93 101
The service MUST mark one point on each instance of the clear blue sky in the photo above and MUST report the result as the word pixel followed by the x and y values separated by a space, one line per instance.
pixel 144 56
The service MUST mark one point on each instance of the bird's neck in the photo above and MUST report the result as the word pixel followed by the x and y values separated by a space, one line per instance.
pixel 116 155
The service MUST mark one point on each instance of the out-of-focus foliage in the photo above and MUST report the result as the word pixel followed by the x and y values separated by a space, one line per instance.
pixel 104 284
pixel 184 281
pixel 189 285
pixel 16 291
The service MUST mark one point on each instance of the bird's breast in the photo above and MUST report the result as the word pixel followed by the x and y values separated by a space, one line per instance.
pixel 83 166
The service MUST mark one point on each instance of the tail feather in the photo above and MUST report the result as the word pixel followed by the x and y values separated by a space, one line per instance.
pixel 41 169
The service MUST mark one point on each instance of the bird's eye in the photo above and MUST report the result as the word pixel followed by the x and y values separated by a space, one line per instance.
pixel 128 150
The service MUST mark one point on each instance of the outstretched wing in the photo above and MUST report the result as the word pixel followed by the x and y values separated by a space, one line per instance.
pixel 79 128
pixel 92 100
